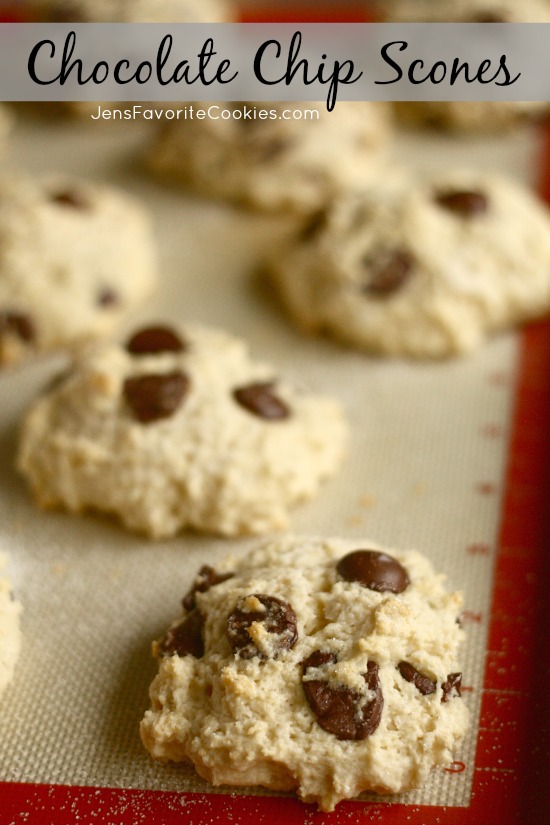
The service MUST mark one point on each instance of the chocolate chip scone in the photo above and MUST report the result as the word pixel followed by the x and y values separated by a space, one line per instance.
pixel 424 269
pixel 75 259
pixel 289 160
pixel 472 115
pixel 10 633
pixel 180 428
pixel 322 666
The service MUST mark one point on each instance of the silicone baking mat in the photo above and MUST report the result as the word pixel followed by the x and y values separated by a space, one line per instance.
pixel 451 458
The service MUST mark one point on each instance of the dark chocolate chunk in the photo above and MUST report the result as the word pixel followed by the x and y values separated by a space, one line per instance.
pixel 207 577
pixel 185 638
pixel 18 324
pixel 421 682
pixel 387 272
pixel 454 682
pixel 338 709
pixel 151 397
pixel 261 400
pixel 374 570
pixel 278 619
pixel 314 225
pixel 107 297
pixel 463 202
pixel 152 340
pixel 70 198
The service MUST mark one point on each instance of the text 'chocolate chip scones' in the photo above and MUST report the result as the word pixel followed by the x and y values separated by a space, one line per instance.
pixel 75 259
pixel 273 156
pixel 322 666
pixel 10 633
pixel 180 428
pixel 422 269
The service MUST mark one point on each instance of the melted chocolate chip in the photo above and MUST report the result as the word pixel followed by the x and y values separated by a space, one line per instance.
pixel 151 397
pixel 387 273
pixel 18 324
pixel 421 682
pixel 374 570
pixel 70 198
pixel 206 578
pixel 464 202
pixel 152 340
pixel 107 297
pixel 261 400
pixel 454 682
pixel 277 617
pixel 338 709
pixel 185 638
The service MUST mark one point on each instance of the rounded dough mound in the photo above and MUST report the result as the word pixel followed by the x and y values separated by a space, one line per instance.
pixel 75 259
pixel 10 633
pixel 399 271
pixel 209 463
pixel 273 164
pixel 247 721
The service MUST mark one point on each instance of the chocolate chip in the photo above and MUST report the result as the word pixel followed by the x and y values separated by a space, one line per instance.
pixel 338 709
pixel 454 682
pixel 152 340
pixel 260 400
pixel 421 682
pixel 70 198
pixel 207 577
pixel 151 397
pixel 464 202
pixel 388 272
pixel 185 638
pixel 314 225
pixel 18 324
pixel 107 297
pixel 374 570
pixel 278 619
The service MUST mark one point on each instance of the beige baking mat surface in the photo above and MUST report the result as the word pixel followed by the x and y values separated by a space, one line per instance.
pixel 425 471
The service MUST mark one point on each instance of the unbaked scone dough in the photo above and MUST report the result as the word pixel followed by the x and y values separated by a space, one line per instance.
pixel 10 633
pixel 420 268
pixel 472 115
pixel 75 259
pixel 277 163
pixel 180 428
pixel 322 666
pixel 132 11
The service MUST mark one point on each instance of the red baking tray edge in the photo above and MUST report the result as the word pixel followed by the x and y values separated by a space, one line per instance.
pixel 515 711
